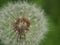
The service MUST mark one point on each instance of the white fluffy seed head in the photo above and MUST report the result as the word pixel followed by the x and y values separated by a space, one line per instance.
pixel 37 19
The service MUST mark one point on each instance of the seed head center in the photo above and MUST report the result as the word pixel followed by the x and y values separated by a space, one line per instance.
pixel 21 24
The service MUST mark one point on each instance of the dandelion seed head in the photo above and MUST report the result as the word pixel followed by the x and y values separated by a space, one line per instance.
pixel 9 14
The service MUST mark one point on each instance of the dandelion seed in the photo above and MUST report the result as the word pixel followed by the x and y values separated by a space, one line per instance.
pixel 22 24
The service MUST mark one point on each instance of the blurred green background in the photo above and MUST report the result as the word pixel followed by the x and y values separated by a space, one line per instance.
pixel 52 10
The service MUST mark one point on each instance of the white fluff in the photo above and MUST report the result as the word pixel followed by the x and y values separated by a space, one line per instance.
pixel 38 27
